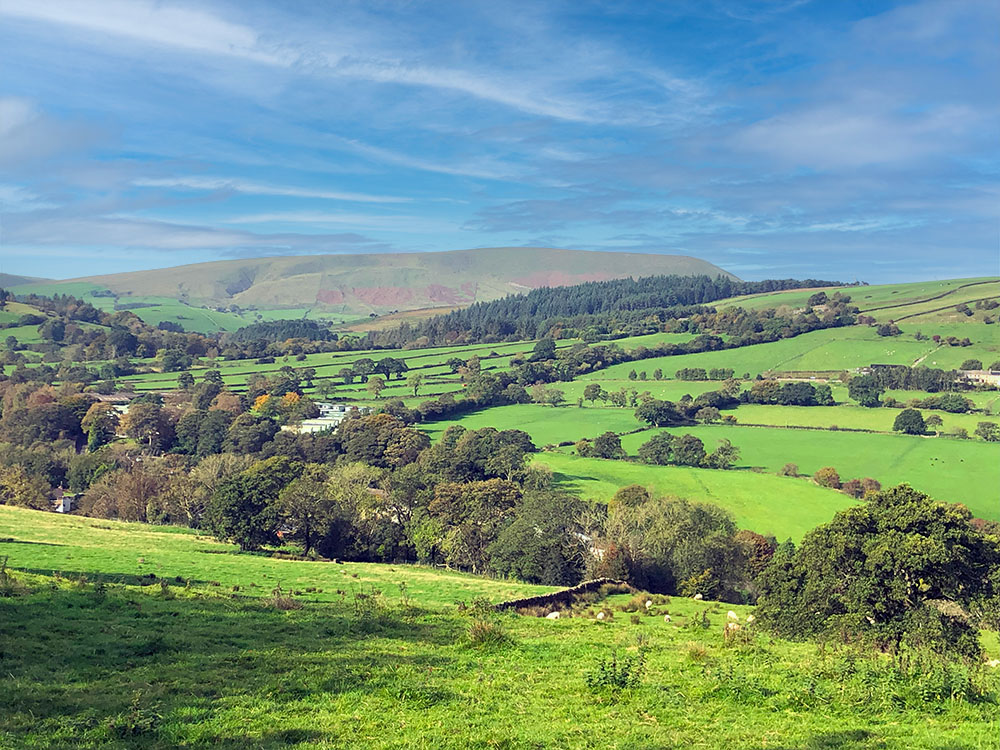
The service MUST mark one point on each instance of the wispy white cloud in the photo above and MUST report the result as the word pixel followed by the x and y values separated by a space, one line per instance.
pixel 185 28
pixel 249 187
pixel 140 234
pixel 355 220
pixel 16 198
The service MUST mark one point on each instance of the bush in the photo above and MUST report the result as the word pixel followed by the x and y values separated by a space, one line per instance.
pixel 789 470
pixel 827 477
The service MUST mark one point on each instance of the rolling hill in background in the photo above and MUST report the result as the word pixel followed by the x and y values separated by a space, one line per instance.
pixel 362 284
pixel 10 280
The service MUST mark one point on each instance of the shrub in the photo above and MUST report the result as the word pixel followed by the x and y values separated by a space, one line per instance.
pixel 827 477
pixel 789 470
pixel 488 634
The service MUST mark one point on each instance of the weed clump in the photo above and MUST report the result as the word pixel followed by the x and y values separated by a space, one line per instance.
pixel 136 721
pixel 613 673
pixel 283 601
pixel 487 629
pixel 9 585
pixel 696 652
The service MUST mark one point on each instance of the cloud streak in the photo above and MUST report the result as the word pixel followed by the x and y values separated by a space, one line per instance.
pixel 226 184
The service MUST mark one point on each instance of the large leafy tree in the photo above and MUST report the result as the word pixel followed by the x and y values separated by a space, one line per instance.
pixel 472 516
pixel 659 413
pixel 910 421
pixel 658 449
pixel 244 510
pixel 866 390
pixel 899 568
pixel 542 543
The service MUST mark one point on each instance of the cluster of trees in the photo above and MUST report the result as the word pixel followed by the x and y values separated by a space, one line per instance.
pixel 273 331
pixel 672 546
pixel 593 311
pixel 902 377
pixel 687 450
pixel 706 407
pixel 700 373
pixel 794 393
pixel 949 402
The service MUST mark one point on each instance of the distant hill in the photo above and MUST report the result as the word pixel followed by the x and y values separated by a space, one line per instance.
pixel 380 283
pixel 8 280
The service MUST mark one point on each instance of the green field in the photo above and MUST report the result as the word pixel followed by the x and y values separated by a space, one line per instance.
pixel 825 350
pixel 885 301
pixel 545 424
pixel 848 416
pixel 95 659
pixel 959 471
pixel 115 551
pixel 765 503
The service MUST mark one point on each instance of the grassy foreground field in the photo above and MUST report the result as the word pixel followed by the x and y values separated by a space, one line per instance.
pixel 91 663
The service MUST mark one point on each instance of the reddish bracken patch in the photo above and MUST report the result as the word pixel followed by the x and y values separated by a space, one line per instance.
pixel 330 296
pixel 386 296
pixel 560 278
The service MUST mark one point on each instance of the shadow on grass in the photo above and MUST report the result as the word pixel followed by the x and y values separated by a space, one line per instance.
pixel 12 540
pixel 82 663
pixel 126 579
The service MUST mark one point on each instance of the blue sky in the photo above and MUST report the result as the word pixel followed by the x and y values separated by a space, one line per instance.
pixel 833 139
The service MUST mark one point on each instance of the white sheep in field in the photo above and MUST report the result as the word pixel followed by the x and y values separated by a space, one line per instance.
pixel 697 597
pixel 648 604
pixel 552 616
pixel 666 618
pixel 750 618
pixel 993 663
pixel 732 615
pixel 600 615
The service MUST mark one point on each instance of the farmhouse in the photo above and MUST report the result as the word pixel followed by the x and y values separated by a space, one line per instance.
pixel 65 501
pixel 330 415
pixel 986 377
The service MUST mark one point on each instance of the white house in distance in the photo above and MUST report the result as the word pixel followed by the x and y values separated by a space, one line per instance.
pixel 330 415
pixel 987 377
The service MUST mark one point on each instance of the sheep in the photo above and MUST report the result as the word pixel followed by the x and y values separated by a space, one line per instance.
pixel 993 663
pixel 648 604
pixel 600 615
pixel 750 618
pixel 666 618
pixel 732 615
pixel 732 626
pixel 552 616
pixel 697 597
